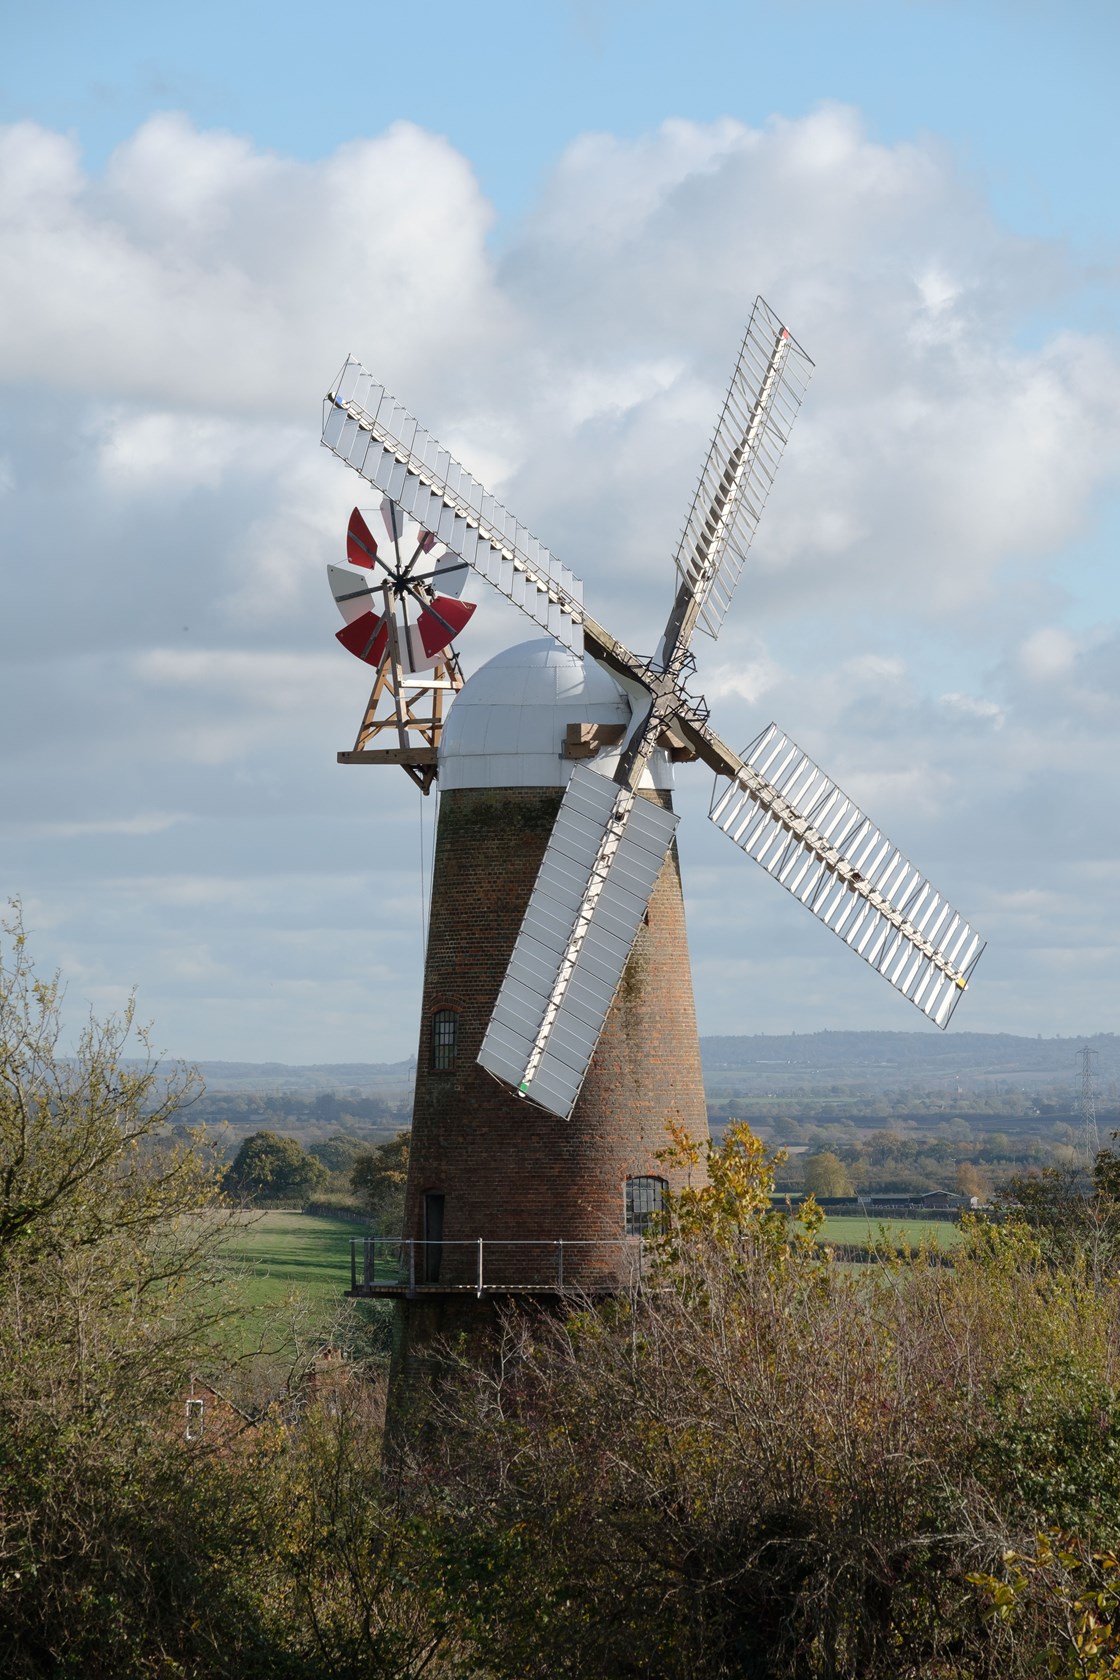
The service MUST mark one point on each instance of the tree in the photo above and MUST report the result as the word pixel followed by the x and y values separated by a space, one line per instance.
pixel 379 1177
pixel 269 1168
pixel 728 1199
pixel 826 1175
pixel 1106 1173
pixel 1073 1216
pixel 128 1551
pixel 336 1153
pixel 112 1293
pixel 85 1149
pixel 971 1181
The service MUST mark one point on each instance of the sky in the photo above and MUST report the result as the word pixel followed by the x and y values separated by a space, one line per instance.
pixel 543 229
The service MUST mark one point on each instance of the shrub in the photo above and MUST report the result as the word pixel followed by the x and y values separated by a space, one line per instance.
pixel 772 1466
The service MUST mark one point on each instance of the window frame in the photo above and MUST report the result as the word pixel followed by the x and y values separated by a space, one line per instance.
pixel 638 1218
pixel 443 1040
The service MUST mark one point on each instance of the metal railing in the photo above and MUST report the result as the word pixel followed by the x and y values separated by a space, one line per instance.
pixel 480 1264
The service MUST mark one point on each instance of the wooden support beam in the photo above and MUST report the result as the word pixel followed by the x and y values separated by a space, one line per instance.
pixel 680 751
pixel 389 755
pixel 585 740
pixel 408 709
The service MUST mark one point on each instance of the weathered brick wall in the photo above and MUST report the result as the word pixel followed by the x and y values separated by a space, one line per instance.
pixel 507 1169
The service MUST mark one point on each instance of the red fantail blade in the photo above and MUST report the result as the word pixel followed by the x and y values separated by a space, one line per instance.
pixel 440 622
pixel 361 548
pixel 427 542
pixel 365 637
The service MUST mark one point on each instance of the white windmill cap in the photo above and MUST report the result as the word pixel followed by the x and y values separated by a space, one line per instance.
pixel 507 725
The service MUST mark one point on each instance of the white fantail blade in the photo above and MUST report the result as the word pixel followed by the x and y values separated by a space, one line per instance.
pixel 394 519
pixel 450 575
pixel 761 404
pixel 591 892
pixel 794 820
pixel 353 593
pixel 365 427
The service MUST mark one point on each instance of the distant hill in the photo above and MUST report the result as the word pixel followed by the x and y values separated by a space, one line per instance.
pixel 377 1079
pixel 861 1061
pixel 881 1061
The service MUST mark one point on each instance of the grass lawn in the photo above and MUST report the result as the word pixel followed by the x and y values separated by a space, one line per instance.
pixel 850 1228
pixel 276 1254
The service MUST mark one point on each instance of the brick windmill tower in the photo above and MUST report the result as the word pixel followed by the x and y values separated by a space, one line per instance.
pixel 558 1033
pixel 503 1195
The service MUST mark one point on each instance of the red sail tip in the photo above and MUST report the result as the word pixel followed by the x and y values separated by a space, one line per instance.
pixel 365 638
pixel 441 622
pixel 361 546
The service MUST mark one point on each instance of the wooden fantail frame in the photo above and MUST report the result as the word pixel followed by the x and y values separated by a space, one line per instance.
pixel 408 710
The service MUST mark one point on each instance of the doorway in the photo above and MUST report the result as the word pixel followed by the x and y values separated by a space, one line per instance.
pixel 433 1235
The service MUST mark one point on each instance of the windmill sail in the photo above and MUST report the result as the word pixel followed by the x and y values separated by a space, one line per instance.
pixel 794 820
pixel 609 843
pixel 761 405
pixel 603 858
pixel 369 430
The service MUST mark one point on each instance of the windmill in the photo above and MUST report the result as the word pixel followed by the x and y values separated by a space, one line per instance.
pixel 608 845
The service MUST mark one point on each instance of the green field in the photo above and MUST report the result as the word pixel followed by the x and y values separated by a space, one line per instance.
pixel 292 1269
pixel 847 1228
pixel 291 1263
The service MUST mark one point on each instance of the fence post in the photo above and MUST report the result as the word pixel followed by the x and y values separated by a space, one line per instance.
pixel 560 1263
pixel 480 1268
pixel 412 1265
pixel 370 1260
pixel 353 1266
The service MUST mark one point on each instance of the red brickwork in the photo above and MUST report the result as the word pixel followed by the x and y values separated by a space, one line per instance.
pixel 508 1171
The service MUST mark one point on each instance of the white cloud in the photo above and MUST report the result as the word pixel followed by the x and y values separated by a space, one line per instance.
pixel 200 270
pixel 171 452
pixel 875 669
pixel 271 679
pixel 747 679
pixel 1048 653
pixel 147 822
pixel 972 706
pixel 166 332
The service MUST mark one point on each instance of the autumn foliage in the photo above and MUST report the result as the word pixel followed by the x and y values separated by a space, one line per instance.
pixel 763 1462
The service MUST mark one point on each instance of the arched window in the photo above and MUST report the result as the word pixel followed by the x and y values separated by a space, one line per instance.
pixel 645 1198
pixel 445 1037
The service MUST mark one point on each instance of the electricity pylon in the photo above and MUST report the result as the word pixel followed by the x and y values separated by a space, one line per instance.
pixel 1090 1137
